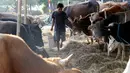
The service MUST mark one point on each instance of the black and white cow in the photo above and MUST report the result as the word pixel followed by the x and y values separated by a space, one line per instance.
pixel 31 33
pixel 127 69
pixel 120 31
pixel 98 26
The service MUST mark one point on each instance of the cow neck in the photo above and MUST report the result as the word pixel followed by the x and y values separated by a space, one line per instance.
pixel 109 20
pixel 24 60
pixel 118 35
pixel 102 14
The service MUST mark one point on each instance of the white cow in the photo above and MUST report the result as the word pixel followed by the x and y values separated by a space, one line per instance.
pixel 113 44
pixel 127 69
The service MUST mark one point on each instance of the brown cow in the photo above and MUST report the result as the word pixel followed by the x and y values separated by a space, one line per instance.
pixel 83 9
pixel 109 4
pixel 105 13
pixel 17 57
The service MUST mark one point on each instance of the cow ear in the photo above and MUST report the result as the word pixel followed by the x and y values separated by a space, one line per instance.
pixel 89 15
pixel 111 37
pixel 100 18
pixel 111 25
pixel 75 19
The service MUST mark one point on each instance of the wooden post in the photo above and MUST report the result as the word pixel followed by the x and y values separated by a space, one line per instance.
pixel 25 11
pixel 19 17
pixel 102 1
pixel 68 2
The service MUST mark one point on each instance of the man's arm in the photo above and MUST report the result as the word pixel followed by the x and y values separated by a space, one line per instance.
pixel 52 24
pixel 53 21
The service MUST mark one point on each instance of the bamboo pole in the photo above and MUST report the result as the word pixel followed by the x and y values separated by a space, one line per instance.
pixel 19 17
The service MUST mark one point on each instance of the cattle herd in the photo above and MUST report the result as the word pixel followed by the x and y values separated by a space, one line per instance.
pixel 107 22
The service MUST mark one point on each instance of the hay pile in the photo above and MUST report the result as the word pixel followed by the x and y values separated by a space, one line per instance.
pixel 90 59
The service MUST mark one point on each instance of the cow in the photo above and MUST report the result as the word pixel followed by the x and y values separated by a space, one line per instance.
pixel 31 33
pixel 113 45
pixel 119 32
pixel 127 69
pixel 105 13
pixel 81 25
pixel 97 26
pixel 17 57
pixel 93 18
pixel 100 23
pixel 82 9
pixel 125 5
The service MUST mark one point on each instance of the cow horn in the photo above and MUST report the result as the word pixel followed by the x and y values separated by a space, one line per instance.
pixel 71 21
pixel 81 16
pixel 66 60
pixel 111 37
pixel 88 15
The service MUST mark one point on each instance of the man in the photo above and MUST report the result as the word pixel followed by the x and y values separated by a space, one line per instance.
pixel 58 22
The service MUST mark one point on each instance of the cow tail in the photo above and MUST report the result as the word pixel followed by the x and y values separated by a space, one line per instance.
pixel 125 17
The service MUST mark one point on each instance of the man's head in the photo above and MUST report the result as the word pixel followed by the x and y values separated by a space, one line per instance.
pixel 60 6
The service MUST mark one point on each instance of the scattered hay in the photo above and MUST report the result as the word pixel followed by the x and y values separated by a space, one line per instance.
pixel 86 61
pixel 90 58
pixel 111 66
pixel 117 70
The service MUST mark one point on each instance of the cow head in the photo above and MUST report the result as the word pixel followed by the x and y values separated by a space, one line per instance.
pixel 94 17
pixel 111 26
pixel 112 45
pixel 38 21
pixel 76 25
pixel 81 24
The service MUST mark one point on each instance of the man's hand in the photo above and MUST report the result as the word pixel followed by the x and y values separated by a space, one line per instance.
pixel 52 24
pixel 52 29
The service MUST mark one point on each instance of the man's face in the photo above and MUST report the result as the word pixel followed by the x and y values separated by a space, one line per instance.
pixel 60 9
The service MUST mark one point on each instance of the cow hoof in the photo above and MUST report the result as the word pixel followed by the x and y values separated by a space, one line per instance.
pixel 88 43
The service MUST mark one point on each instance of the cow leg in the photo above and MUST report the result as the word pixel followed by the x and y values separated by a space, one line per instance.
pixel 88 42
pixel 105 47
pixel 98 43
pixel 92 40
pixel 123 51
pixel 58 45
pixel 119 51
pixel 61 44
pixel 71 33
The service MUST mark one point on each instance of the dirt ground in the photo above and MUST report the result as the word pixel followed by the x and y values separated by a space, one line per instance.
pixel 88 58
